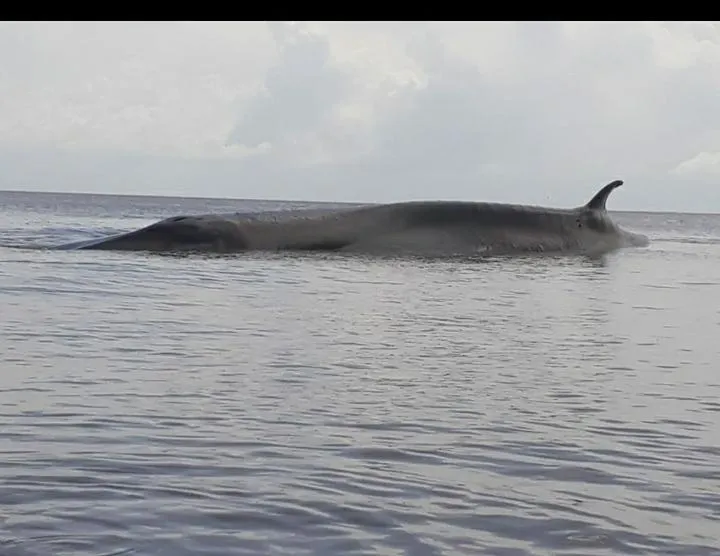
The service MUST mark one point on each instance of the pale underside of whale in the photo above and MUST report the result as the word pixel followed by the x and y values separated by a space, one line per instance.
pixel 415 227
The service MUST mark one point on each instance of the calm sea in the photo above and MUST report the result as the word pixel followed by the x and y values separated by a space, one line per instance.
pixel 331 405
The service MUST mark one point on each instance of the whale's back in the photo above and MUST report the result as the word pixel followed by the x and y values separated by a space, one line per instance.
pixel 412 226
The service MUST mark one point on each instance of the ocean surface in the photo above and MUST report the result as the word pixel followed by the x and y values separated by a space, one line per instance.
pixel 329 405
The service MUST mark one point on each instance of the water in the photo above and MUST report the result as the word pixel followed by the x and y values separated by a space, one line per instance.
pixel 318 404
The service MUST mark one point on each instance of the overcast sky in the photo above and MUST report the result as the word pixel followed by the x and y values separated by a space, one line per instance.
pixel 541 113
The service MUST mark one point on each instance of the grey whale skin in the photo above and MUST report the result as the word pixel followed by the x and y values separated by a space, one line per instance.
pixel 413 227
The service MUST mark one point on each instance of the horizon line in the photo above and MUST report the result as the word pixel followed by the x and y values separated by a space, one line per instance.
pixel 195 197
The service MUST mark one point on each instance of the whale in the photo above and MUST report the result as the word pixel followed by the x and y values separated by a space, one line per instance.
pixel 409 227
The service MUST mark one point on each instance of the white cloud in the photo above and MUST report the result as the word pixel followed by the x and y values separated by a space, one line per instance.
pixel 703 164
pixel 525 112
pixel 300 90
pixel 150 87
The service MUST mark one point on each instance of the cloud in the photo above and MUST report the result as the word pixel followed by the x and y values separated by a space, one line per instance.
pixel 300 90
pixel 525 112
pixel 704 164
pixel 162 88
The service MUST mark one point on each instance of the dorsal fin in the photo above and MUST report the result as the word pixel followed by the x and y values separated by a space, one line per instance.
pixel 600 198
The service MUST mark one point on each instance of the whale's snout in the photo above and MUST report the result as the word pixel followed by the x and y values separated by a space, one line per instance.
pixel 170 234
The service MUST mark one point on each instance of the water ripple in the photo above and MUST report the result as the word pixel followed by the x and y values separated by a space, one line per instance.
pixel 336 405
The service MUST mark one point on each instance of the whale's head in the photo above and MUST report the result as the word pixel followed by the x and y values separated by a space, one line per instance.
pixel 179 233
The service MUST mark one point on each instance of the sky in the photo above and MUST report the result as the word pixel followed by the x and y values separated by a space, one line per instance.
pixel 523 112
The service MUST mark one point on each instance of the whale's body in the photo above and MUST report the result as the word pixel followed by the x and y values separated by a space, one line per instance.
pixel 416 227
